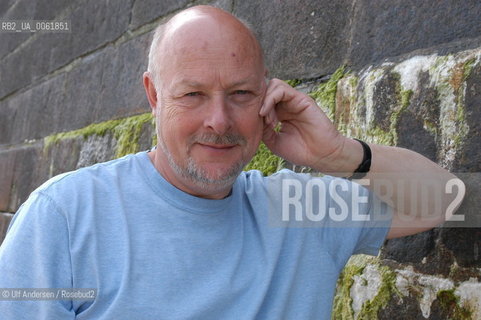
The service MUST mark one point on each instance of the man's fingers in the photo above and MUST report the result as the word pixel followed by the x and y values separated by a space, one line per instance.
pixel 277 91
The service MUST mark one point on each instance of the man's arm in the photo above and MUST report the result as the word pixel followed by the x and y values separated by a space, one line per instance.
pixel 413 185
pixel 35 254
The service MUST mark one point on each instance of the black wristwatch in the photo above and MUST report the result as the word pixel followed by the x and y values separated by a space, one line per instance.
pixel 365 165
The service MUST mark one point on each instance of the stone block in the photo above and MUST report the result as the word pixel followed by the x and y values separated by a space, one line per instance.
pixel 410 249
pixel 10 41
pixel 95 149
pixel 465 244
pixel 410 309
pixel 469 159
pixel 5 219
pixel 386 99
pixel 5 6
pixel 423 110
pixel 23 163
pixel 7 163
pixel 122 91
pixel 105 85
pixel 301 39
pixel 148 10
pixel 383 29
pixel 94 23
pixel 33 113
pixel 27 10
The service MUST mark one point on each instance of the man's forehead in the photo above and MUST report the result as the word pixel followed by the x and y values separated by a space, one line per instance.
pixel 190 81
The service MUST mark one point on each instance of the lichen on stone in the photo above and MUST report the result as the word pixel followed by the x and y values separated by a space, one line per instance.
pixel 386 289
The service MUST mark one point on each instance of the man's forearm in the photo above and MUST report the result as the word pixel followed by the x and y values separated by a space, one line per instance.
pixel 414 186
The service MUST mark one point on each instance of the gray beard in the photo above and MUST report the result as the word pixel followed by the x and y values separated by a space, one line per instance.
pixel 197 175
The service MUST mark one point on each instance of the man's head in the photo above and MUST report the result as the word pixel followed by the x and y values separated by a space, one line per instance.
pixel 205 85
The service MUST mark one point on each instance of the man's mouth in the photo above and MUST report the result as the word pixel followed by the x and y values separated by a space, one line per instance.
pixel 220 147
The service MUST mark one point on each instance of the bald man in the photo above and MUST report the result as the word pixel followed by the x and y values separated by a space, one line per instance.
pixel 181 232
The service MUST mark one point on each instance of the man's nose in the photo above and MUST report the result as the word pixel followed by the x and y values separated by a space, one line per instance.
pixel 218 117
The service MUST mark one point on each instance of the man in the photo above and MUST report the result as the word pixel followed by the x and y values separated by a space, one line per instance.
pixel 181 232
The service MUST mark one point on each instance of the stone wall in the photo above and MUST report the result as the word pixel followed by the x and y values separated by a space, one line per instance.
pixel 399 72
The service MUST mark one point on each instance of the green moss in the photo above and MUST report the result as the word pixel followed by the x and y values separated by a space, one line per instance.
pixel 325 94
pixel 468 68
pixel 406 98
pixel 293 82
pixel 264 160
pixel 431 127
pixel 384 137
pixel 371 308
pixel 460 116
pixel 353 81
pixel 342 308
pixel 380 136
pixel 449 302
pixel 126 131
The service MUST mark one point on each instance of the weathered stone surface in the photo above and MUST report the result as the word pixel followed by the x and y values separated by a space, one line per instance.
pixel 94 23
pixel 386 99
pixel 465 243
pixel 94 150
pixel 5 7
pixel 122 92
pixel 13 10
pixel 469 160
pixel 149 10
pixel 423 110
pixel 23 163
pixel 301 39
pixel 409 249
pixel 69 101
pixel 10 41
pixel 7 162
pixel 412 135
pixel 33 113
pixel 401 309
pixel 383 29
pixel 59 158
pixel 5 219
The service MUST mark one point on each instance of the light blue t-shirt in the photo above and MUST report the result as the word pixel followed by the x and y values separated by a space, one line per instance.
pixel 155 252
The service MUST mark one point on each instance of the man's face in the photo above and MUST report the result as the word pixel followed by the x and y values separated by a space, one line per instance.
pixel 209 97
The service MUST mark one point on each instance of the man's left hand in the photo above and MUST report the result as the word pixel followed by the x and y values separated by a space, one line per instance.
pixel 306 136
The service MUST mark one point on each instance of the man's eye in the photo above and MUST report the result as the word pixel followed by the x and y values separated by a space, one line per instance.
pixel 192 94
pixel 241 92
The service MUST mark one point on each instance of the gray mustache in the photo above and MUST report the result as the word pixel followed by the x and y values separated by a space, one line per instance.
pixel 229 138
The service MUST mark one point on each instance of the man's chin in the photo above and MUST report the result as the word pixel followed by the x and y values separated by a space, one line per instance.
pixel 215 175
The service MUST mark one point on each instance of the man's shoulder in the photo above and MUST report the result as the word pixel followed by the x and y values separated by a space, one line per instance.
pixel 257 176
pixel 99 173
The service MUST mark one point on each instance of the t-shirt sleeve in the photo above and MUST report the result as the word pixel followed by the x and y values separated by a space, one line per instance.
pixel 363 228
pixel 373 233
pixel 35 254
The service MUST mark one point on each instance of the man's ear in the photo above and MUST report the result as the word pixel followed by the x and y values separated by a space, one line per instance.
pixel 150 91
